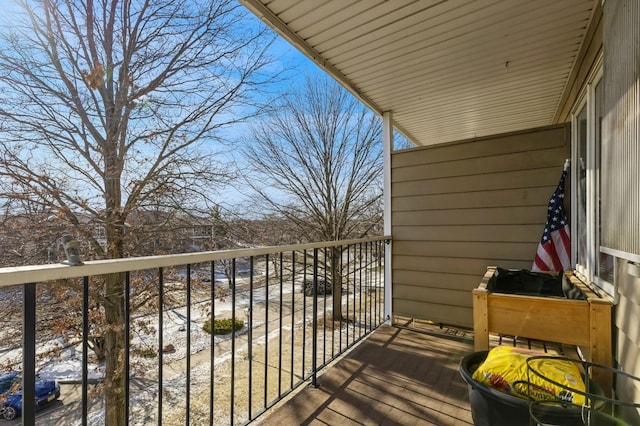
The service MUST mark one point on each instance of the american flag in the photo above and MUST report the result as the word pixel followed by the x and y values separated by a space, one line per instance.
pixel 554 250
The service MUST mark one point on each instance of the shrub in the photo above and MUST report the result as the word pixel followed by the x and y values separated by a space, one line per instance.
pixel 223 326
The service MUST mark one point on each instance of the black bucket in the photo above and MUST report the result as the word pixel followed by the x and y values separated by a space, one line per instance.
pixel 491 407
pixel 554 413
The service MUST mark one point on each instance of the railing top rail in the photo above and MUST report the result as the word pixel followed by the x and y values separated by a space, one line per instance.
pixel 39 273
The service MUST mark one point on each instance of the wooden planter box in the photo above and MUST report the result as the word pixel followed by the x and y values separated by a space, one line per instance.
pixel 584 323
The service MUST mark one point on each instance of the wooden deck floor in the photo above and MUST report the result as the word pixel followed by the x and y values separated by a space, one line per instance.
pixel 395 377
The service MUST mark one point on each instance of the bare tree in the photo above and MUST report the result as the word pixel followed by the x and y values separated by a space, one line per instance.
pixel 111 106
pixel 317 160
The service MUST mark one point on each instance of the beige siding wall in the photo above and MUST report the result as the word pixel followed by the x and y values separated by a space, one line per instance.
pixel 460 207
pixel 627 335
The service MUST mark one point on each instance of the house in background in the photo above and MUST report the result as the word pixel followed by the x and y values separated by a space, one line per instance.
pixel 495 95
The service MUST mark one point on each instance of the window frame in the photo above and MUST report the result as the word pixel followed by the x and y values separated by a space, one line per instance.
pixel 591 269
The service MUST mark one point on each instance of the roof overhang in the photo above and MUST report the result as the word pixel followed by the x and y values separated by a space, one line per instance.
pixel 447 70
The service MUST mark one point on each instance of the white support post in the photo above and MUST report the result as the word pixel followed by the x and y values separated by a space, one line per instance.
pixel 387 139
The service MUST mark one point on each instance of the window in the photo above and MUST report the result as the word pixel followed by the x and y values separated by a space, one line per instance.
pixel 591 262
pixel 580 177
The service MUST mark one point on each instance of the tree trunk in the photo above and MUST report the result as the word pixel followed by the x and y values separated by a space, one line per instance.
pixel 115 340
pixel 115 294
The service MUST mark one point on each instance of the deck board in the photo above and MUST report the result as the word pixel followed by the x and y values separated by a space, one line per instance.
pixel 396 376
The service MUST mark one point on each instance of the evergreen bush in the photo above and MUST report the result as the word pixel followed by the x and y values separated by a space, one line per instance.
pixel 223 326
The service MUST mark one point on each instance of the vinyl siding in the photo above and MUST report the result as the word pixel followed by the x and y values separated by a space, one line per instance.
pixel 627 334
pixel 620 184
pixel 621 129
pixel 460 207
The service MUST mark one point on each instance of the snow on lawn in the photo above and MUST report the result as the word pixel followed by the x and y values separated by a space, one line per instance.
pixel 66 365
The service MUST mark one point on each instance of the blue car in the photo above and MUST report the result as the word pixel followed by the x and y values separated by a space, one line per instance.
pixel 47 391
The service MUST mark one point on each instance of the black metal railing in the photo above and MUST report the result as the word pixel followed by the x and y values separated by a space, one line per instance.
pixel 295 309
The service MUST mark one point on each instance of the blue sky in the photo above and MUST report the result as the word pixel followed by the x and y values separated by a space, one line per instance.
pixel 285 57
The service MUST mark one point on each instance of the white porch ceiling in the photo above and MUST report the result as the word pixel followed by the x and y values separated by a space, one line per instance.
pixel 447 69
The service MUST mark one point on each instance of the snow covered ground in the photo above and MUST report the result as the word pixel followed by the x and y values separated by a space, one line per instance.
pixel 66 365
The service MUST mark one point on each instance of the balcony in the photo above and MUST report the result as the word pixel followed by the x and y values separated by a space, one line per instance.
pixel 290 360
pixel 284 297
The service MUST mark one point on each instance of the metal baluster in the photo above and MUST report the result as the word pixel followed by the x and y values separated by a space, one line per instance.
pixel 360 287
pixel 188 384
pixel 85 349
pixel 233 339
pixel 341 296
pixel 29 354
pixel 314 381
pixel 212 359
pixel 374 283
pixel 160 340
pixel 280 331
pixel 127 344
pixel 250 336
pixel 304 312
pixel 266 330
pixel 346 274
pixel 355 276
pixel 367 319
pixel 293 313
pixel 324 309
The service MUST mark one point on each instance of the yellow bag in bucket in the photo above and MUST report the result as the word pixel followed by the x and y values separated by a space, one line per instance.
pixel 505 369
